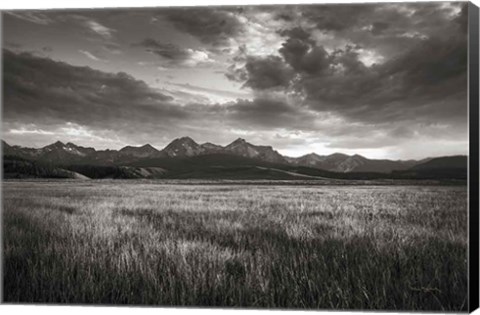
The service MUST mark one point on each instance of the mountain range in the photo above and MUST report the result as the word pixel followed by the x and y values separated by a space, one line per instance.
pixel 185 158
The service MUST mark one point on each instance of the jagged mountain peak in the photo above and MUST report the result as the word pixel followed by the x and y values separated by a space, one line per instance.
pixel 358 156
pixel 185 139
pixel 239 141
pixel 182 141
pixel 70 145
pixel 310 159
pixel 181 147
pixel 56 144
pixel 65 151
pixel 243 148
pixel 338 155
pixel 147 146
pixel 311 155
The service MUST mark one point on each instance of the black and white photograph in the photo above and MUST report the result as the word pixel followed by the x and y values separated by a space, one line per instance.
pixel 289 156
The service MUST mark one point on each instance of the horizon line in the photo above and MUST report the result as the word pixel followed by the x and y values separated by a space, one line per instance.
pixel 239 138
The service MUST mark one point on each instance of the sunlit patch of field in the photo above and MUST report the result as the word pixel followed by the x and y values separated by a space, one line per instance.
pixel 342 247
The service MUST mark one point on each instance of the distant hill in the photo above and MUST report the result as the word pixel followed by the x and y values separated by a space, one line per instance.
pixel 446 162
pixel 118 172
pixel 185 158
pixel 18 168
pixel 139 152
pixel 452 167
pixel 343 163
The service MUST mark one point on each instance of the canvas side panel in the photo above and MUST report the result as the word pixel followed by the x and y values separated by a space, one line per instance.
pixel 473 157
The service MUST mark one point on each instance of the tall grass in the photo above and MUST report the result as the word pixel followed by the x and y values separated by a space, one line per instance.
pixel 327 247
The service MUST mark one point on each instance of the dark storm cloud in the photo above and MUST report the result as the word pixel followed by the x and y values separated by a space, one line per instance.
pixel 174 55
pixel 348 60
pixel 47 91
pixel 213 26
pixel 165 50
pixel 345 18
pixel 263 112
pixel 379 27
pixel 266 73
pixel 297 33
pixel 425 80
pixel 303 56
pixel 388 28
pixel 337 17
pixel 300 55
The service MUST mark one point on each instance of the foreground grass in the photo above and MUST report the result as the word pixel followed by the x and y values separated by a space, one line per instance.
pixel 249 246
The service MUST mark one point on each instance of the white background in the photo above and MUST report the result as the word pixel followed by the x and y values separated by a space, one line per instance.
pixel 81 310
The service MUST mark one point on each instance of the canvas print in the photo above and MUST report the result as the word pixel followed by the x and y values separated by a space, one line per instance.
pixel 286 156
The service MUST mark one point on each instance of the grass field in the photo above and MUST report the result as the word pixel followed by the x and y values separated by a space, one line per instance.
pixel 327 247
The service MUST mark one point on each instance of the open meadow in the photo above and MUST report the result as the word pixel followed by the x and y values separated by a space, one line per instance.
pixel 275 246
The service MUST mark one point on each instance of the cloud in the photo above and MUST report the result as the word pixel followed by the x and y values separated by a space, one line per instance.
pixel 212 26
pixel 37 17
pixel 236 74
pixel 175 55
pixel 427 83
pixel 208 91
pixel 23 130
pixel 167 51
pixel 425 80
pixel 91 56
pixel 305 58
pixel 51 92
pixel 337 17
pixel 266 73
pixel 87 23
pixel 98 28
pixel 388 72
pixel 51 17
pixel 112 48
pixel 263 112
pixel 379 27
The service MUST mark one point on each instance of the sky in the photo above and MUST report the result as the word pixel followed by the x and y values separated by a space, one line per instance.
pixel 381 80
